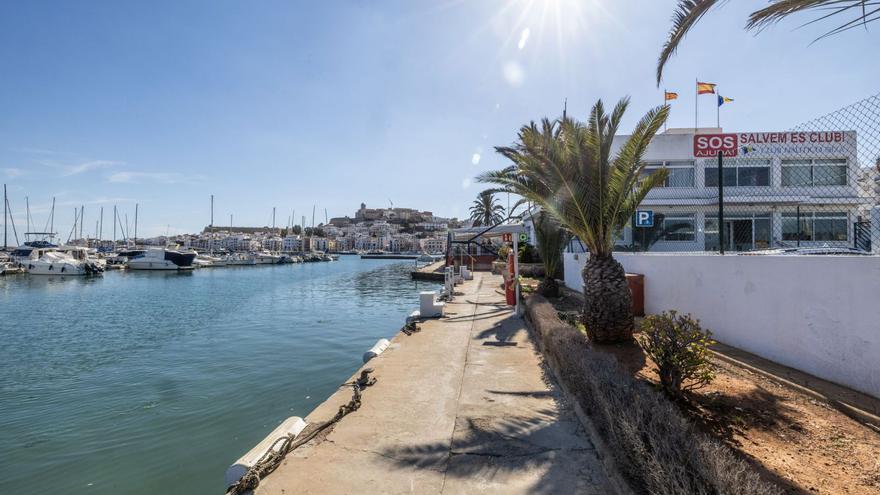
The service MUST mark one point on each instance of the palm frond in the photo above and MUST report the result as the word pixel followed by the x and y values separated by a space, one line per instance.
pixel 781 9
pixel 686 14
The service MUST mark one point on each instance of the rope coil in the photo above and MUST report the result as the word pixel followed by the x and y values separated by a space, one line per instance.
pixel 287 444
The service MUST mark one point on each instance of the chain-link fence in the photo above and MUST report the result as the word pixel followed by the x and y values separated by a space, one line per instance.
pixel 811 189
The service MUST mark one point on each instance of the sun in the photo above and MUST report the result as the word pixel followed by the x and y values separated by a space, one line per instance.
pixel 559 25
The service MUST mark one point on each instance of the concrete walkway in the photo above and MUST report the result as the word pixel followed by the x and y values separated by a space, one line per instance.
pixel 464 406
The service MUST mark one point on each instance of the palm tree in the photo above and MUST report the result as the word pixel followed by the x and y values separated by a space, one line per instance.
pixel 552 239
pixel 688 12
pixel 486 210
pixel 567 168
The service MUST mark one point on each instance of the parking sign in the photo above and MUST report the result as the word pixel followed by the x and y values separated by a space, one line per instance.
pixel 644 218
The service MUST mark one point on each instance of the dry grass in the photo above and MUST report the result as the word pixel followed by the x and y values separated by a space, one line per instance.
pixel 656 448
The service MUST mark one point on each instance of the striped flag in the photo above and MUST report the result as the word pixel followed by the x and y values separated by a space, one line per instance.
pixel 704 88
pixel 669 95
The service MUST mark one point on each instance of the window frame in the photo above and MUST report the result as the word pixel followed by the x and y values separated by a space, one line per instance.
pixel 688 217
pixel 736 165
pixel 813 163
pixel 809 218
pixel 651 166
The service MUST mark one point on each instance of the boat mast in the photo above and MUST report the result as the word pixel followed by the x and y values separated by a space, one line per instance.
pixel 82 217
pixel 114 228
pixel 27 214
pixel 273 219
pixel 5 243
pixel 101 228
pixel 75 219
pixel 52 217
pixel 211 228
pixel 135 225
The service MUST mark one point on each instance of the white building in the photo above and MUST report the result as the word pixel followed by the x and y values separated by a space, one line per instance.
pixel 771 180
pixel 433 245
pixel 291 243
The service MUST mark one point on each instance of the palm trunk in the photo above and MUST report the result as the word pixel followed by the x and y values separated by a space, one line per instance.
pixel 607 301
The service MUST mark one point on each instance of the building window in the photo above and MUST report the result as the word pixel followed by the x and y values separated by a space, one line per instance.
pixel 740 172
pixel 815 226
pixel 814 172
pixel 681 173
pixel 678 227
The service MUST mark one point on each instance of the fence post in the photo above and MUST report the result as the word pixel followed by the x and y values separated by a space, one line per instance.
pixel 720 203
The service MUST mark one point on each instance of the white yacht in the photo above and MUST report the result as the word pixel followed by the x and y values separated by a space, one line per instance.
pixel 205 260
pixel 240 259
pixel 162 259
pixel 63 261
pixel 266 258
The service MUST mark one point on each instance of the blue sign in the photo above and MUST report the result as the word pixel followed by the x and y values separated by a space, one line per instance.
pixel 644 218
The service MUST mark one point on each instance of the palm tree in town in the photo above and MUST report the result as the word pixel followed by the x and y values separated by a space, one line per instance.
pixel 567 168
pixel 552 238
pixel 486 210
pixel 689 12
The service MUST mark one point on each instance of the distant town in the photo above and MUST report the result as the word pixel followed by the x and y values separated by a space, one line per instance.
pixel 395 230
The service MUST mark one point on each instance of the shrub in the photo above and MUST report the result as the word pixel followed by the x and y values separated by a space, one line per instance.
pixel 503 251
pixel 657 449
pixel 680 349
pixel 528 254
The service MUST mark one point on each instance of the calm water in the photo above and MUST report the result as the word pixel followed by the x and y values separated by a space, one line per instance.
pixel 144 383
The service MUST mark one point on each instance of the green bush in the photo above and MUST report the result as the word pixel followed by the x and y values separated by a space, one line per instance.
pixel 528 254
pixel 657 449
pixel 680 349
pixel 503 251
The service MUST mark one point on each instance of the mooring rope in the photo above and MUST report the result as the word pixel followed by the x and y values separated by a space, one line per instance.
pixel 410 328
pixel 287 444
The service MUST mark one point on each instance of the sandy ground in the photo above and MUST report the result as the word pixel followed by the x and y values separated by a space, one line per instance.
pixel 801 443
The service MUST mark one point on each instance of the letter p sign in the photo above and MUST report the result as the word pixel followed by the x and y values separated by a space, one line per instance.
pixel 644 218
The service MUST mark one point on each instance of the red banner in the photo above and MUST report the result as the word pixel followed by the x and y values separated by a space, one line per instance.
pixel 708 145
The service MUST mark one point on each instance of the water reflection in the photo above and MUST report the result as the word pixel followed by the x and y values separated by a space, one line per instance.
pixel 136 381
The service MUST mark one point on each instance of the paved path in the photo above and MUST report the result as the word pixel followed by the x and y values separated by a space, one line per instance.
pixel 464 406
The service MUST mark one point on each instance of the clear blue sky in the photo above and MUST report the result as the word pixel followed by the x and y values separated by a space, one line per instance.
pixel 290 104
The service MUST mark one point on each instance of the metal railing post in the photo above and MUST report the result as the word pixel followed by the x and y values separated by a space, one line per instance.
pixel 720 203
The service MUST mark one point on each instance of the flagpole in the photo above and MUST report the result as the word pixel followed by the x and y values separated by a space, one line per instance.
pixel 664 103
pixel 717 108
pixel 696 103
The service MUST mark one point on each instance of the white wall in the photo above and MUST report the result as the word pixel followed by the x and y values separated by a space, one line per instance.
pixel 818 314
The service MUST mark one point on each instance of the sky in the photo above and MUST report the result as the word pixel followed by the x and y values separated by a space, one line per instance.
pixel 296 105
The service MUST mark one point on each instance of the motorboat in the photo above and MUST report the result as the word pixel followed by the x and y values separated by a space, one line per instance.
pixel 236 259
pixel 266 258
pixel 162 259
pixel 64 261
pixel 10 268
pixel 205 260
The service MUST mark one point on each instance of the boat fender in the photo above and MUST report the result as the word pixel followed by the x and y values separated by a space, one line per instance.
pixel 377 349
pixel 293 425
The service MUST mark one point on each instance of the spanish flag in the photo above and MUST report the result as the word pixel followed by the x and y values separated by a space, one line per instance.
pixel 670 95
pixel 705 88
pixel 723 99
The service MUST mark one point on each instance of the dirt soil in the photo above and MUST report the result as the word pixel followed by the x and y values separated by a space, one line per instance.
pixel 802 444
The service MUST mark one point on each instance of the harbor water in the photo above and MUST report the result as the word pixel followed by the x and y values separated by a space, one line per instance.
pixel 146 382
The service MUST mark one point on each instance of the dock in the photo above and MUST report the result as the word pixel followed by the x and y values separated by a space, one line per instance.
pixel 434 272
pixel 465 405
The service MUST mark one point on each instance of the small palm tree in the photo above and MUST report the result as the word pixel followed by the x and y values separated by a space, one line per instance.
pixel 567 168
pixel 552 239
pixel 688 12
pixel 486 211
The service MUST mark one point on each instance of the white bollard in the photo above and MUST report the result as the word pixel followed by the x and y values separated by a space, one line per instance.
pixel 293 425
pixel 377 349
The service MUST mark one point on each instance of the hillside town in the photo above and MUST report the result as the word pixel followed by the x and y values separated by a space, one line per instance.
pixel 393 230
